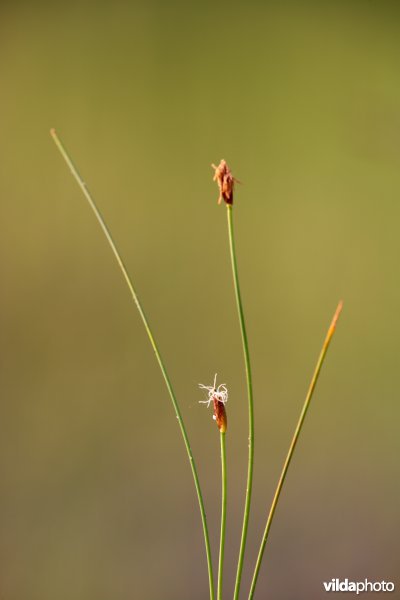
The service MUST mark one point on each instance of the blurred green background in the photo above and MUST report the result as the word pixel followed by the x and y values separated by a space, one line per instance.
pixel 303 101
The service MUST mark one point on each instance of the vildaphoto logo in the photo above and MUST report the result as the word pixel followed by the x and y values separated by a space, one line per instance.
pixel 344 585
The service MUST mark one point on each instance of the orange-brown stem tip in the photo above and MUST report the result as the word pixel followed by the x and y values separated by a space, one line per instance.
pixel 337 313
pixel 333 324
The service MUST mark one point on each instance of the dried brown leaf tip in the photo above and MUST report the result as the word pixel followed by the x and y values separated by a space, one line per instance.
pixel 225 180
pixel 218 396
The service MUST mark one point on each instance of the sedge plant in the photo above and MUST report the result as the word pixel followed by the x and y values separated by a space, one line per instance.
pixel 218 396
pixel 226 182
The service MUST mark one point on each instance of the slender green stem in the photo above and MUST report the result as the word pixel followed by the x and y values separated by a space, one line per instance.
pixel 171 392
pixel 292 446
pixel 223 516
pixel 249 485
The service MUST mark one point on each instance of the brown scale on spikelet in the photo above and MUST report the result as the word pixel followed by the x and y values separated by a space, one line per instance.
pixel 218 396
pixel 225 180
pixel 220 415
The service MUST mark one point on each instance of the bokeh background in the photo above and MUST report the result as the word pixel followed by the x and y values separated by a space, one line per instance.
pixel 303 101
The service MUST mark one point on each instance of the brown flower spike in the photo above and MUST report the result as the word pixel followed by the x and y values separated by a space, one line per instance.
pixel 218 396
pixel 225 180
pixel 220 415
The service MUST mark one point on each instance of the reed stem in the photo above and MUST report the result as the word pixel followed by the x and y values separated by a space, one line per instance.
pixel 292 446
pixel 245 344
pixel 153 343
pixel 223 515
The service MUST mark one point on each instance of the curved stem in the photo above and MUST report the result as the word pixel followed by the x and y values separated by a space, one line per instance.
pixel 223 516
pixel 246 353
pixel 292 446
pixel 132 290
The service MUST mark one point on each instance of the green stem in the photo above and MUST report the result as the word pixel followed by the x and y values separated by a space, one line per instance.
pixel 246 353
pixel 292 446
pixel 129 283
pixel 223 516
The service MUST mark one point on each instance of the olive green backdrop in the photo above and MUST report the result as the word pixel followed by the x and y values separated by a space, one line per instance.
pixel 303 101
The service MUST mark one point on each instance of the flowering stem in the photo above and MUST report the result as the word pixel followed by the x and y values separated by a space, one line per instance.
pixel 223 516
pixel 171 392
pixel 250 403
pixel 293 443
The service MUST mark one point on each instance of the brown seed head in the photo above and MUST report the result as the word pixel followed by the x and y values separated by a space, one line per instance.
pixel 220 415
pixel 218 396
pixel 225 181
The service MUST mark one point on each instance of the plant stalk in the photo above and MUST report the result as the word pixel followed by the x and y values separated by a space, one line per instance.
pixel 153 343
pixel 292 446
pixel 223 515
pixel 249 485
